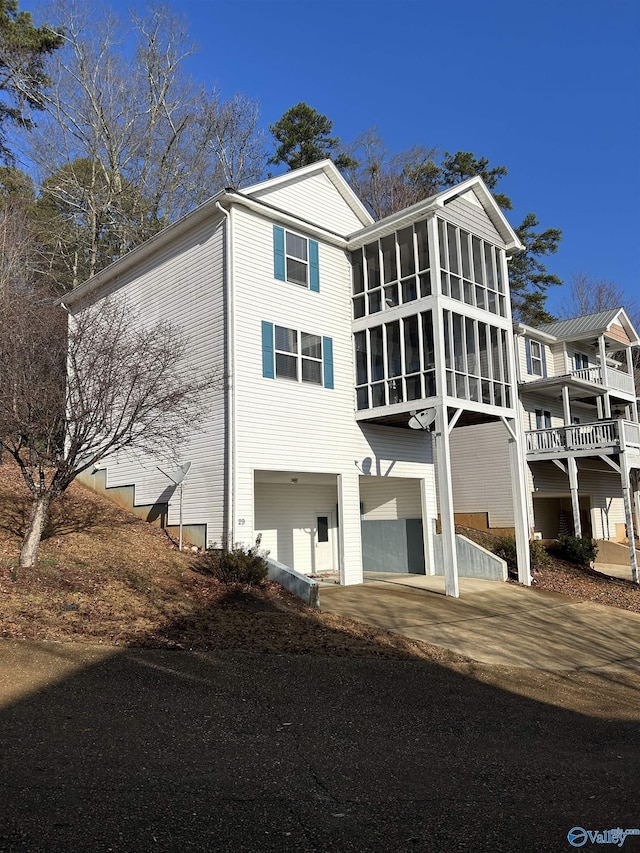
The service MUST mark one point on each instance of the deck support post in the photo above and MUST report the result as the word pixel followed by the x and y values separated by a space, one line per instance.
pixel 519 496
pixel 628 515
pixel 445 493
pixel 572 468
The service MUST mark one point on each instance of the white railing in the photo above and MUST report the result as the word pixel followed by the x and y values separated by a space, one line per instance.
pixel 588 374
pixel 617 380
pixel 592 436
pixel 631 433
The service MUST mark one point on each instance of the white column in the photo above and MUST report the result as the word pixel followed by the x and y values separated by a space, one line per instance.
pixel 604 374
pixel 429 515
pixel 517 463
pixel 350 531
pixel 625 475
pixel 636 501
pixel 572 468
pixel 631 372
pixel 566 405
pixel 445 494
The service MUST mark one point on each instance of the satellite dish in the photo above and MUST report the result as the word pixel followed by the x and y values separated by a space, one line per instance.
pixel 423 419
pixel 178 475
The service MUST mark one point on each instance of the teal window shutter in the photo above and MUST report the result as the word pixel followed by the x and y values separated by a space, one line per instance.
pixel 314 267
pixel 327 362
pixel 268 370
pixel 544 360
pixel 527 344
pixel 278 252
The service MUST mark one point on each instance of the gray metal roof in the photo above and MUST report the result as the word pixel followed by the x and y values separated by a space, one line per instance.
pixel 588 324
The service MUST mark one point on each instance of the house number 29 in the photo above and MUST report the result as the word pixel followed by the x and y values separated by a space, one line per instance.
pixel 241 521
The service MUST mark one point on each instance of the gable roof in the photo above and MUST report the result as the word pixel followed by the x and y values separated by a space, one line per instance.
pixel 474 185
pixel 324 168
pixel 598 323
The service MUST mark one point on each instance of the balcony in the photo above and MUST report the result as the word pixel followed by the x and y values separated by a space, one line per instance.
pixel 617 380
pixel 583 439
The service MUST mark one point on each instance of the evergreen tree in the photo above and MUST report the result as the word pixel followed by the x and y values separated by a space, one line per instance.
pixel 528 276
pixel 23 50
pixel 303 134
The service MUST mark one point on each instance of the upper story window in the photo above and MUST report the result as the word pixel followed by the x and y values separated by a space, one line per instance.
pixel 295 259
pixel 297 356
pixel 391 271
pixel 581 361
pixel 536 358
pixel 471 269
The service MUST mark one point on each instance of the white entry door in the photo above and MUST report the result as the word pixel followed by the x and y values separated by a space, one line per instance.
pixel 323 550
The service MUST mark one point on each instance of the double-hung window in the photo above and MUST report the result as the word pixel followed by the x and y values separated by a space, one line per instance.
pixel 536 358
pixel 295 259
pixel 581 361
pixel 543 419
pixel 297 356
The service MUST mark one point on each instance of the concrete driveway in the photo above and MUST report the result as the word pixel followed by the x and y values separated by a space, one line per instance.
pixel 495 623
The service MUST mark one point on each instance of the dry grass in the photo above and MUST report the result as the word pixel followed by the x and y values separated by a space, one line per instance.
pixel 105 576
pixel 579 582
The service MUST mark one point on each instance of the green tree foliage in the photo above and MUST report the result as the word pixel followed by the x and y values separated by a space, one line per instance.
pixel 457 167
pixel 304 137
pixel 528 276
pixel 23 49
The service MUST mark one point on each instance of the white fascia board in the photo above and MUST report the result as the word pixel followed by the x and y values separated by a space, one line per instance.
pixel 143 251
pixel 206 210
pixel 282 216
pixel 329 168
pixel 623 318
pixel 532 332
pixel 433 203
pixel 478 186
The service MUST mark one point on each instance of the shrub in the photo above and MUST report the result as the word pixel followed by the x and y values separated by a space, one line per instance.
pixel 580 550
pixel 540 558
pixel 238 565
pixel 506 549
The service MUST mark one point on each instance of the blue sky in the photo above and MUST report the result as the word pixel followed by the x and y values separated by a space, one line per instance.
pixel 549 89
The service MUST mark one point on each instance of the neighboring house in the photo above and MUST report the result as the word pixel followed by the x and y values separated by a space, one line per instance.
pixel 331 331
pixel 580 420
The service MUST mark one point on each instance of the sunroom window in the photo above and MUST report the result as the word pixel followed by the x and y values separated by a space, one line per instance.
pixel 391 271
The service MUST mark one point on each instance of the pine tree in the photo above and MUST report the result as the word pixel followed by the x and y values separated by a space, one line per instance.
pixel 23 51
pixel 303 134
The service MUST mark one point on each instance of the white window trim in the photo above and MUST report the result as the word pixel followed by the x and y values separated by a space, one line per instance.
pixel 299 357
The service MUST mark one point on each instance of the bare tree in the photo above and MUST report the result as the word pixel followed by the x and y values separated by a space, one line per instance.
pixel 588 295
pixel 67 401
pixel 390 182
pixel 129 142
pixel 235 139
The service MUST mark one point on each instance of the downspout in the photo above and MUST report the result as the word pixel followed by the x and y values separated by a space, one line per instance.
pixel 230 399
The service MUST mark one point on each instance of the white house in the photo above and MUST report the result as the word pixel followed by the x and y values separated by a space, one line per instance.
pixel 332 331
pixel 579 414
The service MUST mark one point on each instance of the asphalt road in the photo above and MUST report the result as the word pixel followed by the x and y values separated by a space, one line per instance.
pixel 147 750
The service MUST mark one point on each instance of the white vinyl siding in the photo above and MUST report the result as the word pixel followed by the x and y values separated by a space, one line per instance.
pixel 299 426
pixel 471 217
pixel 385 498
pixel 184 284
pixel 315 199
pixel 480 471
